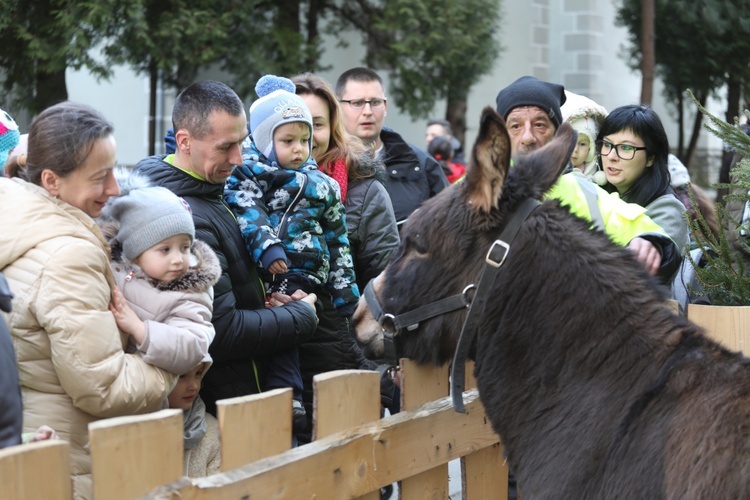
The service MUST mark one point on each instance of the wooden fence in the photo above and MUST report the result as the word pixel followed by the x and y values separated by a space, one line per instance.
pixel 353 455
pixel 354 452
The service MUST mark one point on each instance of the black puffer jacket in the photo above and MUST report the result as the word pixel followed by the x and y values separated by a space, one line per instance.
pixel 413 175
pixel 11 412
pixel 245 329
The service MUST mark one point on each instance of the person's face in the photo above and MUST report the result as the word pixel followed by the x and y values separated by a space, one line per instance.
pixel 291 142
pixel 581 151
pixel 213 156
pixel 433 131
pixel 321 118
pixel 623 173
pixel 168 259
pixel 365 123
pixel 184 393
pixel 89 186
pixel 530 128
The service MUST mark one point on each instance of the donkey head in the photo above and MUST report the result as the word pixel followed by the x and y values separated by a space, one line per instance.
pixel 444 242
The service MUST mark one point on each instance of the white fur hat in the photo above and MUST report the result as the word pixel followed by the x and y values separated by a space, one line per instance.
pixel 586 117
pixel 678 171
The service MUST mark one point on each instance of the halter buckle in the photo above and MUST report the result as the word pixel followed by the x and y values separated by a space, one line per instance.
pixel 497 260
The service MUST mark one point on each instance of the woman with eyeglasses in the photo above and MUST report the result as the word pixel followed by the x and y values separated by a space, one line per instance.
pixel 633 151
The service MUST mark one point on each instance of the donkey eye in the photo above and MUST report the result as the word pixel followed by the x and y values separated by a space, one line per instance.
pixel 419 245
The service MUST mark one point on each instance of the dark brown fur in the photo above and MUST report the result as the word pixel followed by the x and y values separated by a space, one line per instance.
pixel 596 389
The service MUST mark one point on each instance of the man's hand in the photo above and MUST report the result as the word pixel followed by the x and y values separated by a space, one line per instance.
pixel 279 299
pixel 646 253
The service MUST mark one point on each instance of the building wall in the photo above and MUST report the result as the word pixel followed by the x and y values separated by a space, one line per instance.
pixel 573 42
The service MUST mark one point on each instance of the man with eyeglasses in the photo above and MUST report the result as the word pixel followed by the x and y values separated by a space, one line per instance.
pixel 413 175
pixel 531 109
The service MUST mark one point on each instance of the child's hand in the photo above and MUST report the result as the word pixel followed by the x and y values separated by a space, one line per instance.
pixel 277 267
pixel 126 318
pixel 43 433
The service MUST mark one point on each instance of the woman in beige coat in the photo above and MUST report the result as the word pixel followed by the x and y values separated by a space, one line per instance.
pixel 72 366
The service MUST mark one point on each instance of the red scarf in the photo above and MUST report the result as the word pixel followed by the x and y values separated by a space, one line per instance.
pixel 340 174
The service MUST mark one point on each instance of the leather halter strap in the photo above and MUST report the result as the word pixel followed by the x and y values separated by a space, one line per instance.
pixel 410 320
pixel 495 258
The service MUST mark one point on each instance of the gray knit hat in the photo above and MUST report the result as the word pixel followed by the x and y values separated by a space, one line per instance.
pixel 277 104
pixel 531 91
pixel 147 215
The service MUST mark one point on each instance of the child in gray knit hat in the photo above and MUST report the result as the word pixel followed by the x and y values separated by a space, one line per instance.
pixel 164 294
pixel 292 220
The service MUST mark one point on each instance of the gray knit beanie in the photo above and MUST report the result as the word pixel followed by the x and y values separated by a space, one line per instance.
pixel 531 91
pixel 277 104
pixel 147 215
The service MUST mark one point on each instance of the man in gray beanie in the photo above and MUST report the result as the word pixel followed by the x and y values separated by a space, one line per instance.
pixel 531 109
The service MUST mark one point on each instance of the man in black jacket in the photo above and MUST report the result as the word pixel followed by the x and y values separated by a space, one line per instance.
pixel 210 125
pixel 413 175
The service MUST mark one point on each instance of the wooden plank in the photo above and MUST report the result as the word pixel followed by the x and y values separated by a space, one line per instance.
pixel 470 382
pixel 729 325
pixel 484 474
pixel 422 384
pixel 254 427
pixel 345 399
pixel 36 470
pixel 354 462
pixel 132 455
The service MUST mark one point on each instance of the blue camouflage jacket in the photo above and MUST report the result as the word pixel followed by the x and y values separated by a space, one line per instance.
pixel 296 215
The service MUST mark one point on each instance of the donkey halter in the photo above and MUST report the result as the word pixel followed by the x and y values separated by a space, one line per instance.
pixel 393 325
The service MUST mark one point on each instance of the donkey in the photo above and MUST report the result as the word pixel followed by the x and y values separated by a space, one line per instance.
pixel 596 389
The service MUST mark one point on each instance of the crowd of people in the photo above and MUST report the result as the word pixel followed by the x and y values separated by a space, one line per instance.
pixel 232 264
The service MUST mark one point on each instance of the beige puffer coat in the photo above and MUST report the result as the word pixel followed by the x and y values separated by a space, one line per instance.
pixel 72 365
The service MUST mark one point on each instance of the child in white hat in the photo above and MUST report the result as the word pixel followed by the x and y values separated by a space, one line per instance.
pixel 586 117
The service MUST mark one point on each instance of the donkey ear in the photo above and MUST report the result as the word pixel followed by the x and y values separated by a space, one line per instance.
pixel 551 160
pixel 490 160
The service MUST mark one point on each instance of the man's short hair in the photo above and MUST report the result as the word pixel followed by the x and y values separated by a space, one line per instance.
pixel 359 74
pixel 447 129
pixel 194 105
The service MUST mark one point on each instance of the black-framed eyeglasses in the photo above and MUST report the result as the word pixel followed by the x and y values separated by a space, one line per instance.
pixel 624 151
pixel 361 103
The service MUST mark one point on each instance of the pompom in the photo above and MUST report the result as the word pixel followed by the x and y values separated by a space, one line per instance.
pixel 600 178
pixel 272 83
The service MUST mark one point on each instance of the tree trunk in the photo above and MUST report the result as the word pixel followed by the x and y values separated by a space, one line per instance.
pixel 734 89
pixel 455 113
pixel 153 80
pixel 680 126
pixel 50 89
pixel 648 50
pixel 702 97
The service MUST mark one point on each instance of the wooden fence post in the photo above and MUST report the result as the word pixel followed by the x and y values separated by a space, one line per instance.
pixel 131 456
pixel 484 473
pixel 36 470
pixel 421 384
pixel 345 399
pixel 254 427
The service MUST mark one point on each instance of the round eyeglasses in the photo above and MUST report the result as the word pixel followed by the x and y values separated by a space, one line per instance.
pixel 624 151
pixel 361 103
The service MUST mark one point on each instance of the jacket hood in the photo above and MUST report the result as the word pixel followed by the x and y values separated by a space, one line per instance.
pixel 203 273
pixel 30 216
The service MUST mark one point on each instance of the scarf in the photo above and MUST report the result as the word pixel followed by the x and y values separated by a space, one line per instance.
pixel 340 173
pixel 194 423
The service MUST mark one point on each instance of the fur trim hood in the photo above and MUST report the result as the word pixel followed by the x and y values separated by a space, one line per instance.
pixel 203 273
